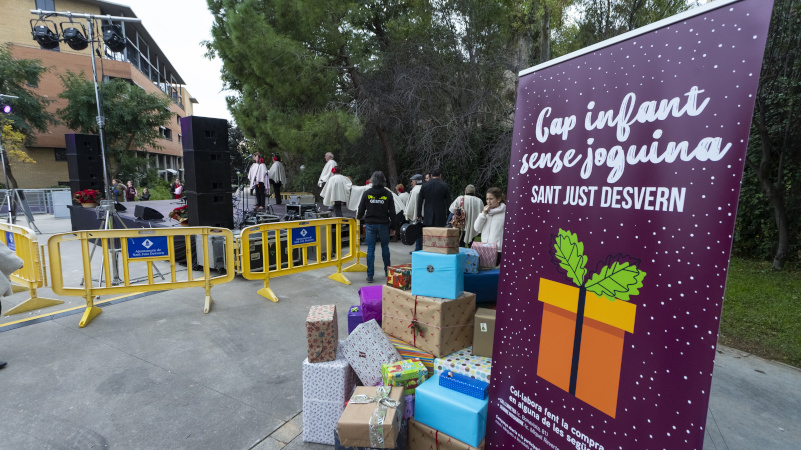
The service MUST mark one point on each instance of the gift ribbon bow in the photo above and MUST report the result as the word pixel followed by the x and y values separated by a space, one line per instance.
pixel 354 309
pixel 380 413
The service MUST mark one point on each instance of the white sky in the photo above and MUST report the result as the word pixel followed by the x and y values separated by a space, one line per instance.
pixel 178 27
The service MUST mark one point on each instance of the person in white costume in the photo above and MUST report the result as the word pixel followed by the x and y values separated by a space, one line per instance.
pixel 472 206
pixel 259 180
pixel 326 173
pixel 277 177
pixel 411 206
pixel 336 191
pixel 490 222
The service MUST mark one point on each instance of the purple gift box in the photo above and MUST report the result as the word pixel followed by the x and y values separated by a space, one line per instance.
pixel 354 318
pixel 370 300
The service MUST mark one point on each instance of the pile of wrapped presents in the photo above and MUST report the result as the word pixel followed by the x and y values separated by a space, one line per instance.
pixel 414 370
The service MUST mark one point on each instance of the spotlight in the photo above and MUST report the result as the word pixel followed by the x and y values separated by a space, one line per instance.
pixel 6 109
pixel 74 38
pixel 45 37
pixel 112 36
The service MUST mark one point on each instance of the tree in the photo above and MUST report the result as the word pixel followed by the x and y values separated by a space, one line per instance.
pixel 133 117
pixel 774 155
pixel 29 113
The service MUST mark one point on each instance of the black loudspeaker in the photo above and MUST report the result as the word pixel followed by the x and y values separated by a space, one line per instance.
pixel 84 162
pixel 145 213
pixel 207 172
pixel 204 134
pixel 210 209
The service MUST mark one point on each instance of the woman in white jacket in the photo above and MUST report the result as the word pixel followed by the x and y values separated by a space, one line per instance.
pixel 490 221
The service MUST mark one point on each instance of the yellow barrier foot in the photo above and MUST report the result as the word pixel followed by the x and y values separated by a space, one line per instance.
pixel 207 306
pixel 358 267
pixel 16 288
pixel 269 294
pixel 32 304
pixel 90 313
pixel 339 277
pixel 362 254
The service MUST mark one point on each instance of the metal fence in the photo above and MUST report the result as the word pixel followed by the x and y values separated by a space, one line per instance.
pixel 39 200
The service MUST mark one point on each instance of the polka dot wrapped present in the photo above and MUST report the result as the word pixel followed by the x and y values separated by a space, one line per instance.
pixel 464 362
pixel 322 333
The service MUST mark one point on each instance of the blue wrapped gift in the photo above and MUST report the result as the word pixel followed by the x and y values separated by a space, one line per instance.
pixel 464 384
pixel 484 284
pixel 471 263
pixel 453 413
pixel 438 275
pixel 354 318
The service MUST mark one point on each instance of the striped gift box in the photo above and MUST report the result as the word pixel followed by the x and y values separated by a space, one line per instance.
pixel 407 351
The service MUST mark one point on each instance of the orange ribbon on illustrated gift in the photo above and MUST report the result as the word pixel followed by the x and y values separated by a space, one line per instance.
pixel 583 326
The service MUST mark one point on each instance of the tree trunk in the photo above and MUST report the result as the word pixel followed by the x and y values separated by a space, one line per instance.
pixel 545 35
pixel 389 154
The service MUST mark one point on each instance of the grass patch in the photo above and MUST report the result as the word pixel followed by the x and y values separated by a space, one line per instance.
pixel 762 311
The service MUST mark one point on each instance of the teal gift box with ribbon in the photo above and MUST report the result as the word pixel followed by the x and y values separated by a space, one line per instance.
pixel 438 275
pixel 372 418
pixel 453 413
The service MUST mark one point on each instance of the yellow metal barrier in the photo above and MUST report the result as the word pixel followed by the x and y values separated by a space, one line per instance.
pixel 311 236
pixel 138 246
pixel 286 195
pixel 24 243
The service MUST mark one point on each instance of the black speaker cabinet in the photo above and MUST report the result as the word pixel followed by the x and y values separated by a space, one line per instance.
pixel 210 209
pixel 204 134
pixel 82 144
pixel 207 172
pixel 145 213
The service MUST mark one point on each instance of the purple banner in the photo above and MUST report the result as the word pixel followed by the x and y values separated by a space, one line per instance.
pixel 623 188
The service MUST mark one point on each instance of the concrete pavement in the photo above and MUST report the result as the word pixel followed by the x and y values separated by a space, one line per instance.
pixel 155 372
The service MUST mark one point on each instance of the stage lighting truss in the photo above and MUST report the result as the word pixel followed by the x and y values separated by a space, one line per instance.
pixel 112 37
pixel 43 35
pixel 73 36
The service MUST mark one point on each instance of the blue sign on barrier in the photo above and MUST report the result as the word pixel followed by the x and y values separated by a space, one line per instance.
pixel 10 241
pixel 147 247
pixel 305 235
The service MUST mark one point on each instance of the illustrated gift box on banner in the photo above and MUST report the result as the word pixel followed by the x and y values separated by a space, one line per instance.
pixel 583 328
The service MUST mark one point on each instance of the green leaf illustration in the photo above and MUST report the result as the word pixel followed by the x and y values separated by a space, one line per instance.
pixel 569 254
pixel 618 280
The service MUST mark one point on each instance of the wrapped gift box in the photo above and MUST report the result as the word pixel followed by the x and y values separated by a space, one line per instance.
pixel 484 284
pixel 400 276
pixel 367 349
pixel 423 437
pixel 484 332
pixel 441 240
pixel 471 261
pixel 451 412
pixel 326 388
pixel 322 333
pixel 434 325
pixel 408 351
pixel 463 361
pixel 370 302
pixel 462 383
pixel 401 444
pixel 369 423
pixel 605 324
pixel 487 254
pixel 438 275
pixel 407 374
pixel 354 318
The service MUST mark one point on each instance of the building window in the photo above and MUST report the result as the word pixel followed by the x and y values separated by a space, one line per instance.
pixel 46 5
pixel 60 153
pixel 166 133
pixel 180 138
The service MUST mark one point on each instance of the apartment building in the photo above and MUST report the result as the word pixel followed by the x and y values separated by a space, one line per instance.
pixel 141 62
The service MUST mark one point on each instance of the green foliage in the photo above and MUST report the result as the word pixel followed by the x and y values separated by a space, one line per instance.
pixel 570 255
pixel 762 310
pixel 133 117
pixel 29 112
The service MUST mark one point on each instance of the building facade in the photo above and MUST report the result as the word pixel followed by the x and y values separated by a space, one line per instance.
pixel 141 63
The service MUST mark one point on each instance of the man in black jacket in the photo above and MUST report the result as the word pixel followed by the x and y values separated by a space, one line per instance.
pixel 432 204
pixel 377 210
